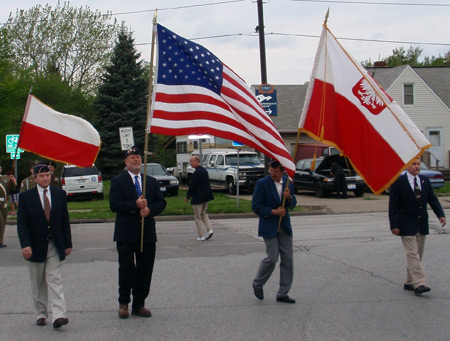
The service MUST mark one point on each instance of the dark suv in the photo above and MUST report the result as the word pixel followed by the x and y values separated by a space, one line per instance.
pixel 82 182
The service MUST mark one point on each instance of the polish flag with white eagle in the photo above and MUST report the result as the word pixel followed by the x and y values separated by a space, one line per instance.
pixel 346 108
pixel 57 136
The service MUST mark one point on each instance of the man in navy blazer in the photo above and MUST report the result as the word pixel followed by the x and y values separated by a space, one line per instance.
pixel 44 234
pixel 127 201
pixel 200 194
pixel 408 218
pixel 267 204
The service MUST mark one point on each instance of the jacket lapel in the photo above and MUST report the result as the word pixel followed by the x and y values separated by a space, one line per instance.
pixel 36 201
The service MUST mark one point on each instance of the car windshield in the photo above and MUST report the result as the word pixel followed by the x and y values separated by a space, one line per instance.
pixel 75 171
pixel 244 159
pixel 155 170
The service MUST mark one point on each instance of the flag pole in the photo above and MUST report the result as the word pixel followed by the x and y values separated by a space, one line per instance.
pixel 296 143
pixel 149 105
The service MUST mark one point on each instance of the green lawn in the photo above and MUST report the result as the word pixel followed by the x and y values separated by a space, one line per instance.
pixel 99 209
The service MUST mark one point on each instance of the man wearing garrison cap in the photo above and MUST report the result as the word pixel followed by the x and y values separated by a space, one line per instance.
pixel 275 227
pixel 127 200
pixel 45 237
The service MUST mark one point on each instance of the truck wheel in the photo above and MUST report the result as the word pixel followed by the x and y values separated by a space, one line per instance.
pixel 359 192
pixel 319 190
pixel 251 184
pixel 231 186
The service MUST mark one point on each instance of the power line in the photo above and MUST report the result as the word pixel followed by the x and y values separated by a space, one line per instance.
pixel 179 7
pixel 374 3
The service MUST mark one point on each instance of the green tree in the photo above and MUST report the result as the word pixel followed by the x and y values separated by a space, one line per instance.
pixel 121 102
pixel 75 42
pixel 400 56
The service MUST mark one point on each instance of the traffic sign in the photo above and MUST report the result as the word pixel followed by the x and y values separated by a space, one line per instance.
pixel 126 137
pixel 11 143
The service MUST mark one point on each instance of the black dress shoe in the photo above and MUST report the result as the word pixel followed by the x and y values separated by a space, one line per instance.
pixel 259 293
pixel 62 321
pixel 421 289
pixel 285 299
pixel 408 287
pixel 3 245
pixel 41 322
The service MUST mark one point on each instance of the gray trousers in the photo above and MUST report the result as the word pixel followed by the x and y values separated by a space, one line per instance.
pixel 282 246
pixel 47 285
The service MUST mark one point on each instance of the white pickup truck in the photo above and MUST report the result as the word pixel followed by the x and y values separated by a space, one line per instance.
pixel 223 164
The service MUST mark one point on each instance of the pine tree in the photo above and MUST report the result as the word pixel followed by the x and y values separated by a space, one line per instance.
pixel 121 102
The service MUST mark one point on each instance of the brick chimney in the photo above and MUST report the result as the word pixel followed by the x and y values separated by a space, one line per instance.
pixel 380 63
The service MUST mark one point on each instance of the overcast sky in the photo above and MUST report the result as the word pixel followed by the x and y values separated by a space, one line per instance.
pixel 295 24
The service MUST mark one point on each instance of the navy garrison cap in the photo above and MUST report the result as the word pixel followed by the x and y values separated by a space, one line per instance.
pixel 132 151
pixel 41 168
pixel 51 163
pixel 274 164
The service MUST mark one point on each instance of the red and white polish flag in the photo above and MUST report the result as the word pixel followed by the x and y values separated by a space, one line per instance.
pixel 345 107
pixel 57 136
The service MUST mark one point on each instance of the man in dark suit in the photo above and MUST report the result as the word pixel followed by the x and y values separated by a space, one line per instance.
pixel 267 204
pixel 339 178
pixel 408 218
pixel 44 234
pixel 200 194
pixel 127 201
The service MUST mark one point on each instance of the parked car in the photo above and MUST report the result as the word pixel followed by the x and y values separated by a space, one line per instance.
pixel 167 183
pixel 320 180
pixel 436 178
pixel 82 182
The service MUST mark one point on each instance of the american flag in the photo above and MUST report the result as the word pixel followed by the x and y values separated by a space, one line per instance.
pixel 195 93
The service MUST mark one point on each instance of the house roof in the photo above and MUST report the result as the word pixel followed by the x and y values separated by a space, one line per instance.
pixel 436 77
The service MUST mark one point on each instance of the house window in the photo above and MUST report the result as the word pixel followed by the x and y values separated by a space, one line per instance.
pixel 181 147
pixel 408 94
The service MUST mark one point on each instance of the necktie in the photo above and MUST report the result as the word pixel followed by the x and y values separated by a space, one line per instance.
pixel 417 190
pixel 46 205
pixel 136 184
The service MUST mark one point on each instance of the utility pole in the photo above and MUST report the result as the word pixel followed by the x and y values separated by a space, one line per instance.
pixel 262 55
pixel 262 43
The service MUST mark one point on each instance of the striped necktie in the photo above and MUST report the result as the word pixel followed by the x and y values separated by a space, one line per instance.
pixel 417 190
pixel 136 184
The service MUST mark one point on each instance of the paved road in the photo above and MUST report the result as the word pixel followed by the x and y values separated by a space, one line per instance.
pixel 348 285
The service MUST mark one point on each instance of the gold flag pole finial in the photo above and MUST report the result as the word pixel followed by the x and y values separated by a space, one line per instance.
pixel 326 16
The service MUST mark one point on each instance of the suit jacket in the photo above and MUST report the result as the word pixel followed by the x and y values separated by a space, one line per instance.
pixel 265 198
pixel 33 228
pixel 122 201
pixel 200 188
pixel 406 212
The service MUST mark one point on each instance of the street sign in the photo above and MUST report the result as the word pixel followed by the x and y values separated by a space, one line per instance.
pixel 14 156
pixel 237 144
pixel 267 97
pixel 126 137
pixel 11 143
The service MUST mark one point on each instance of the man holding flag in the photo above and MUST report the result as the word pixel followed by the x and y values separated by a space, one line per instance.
pixel 267 200
pixel 135 264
